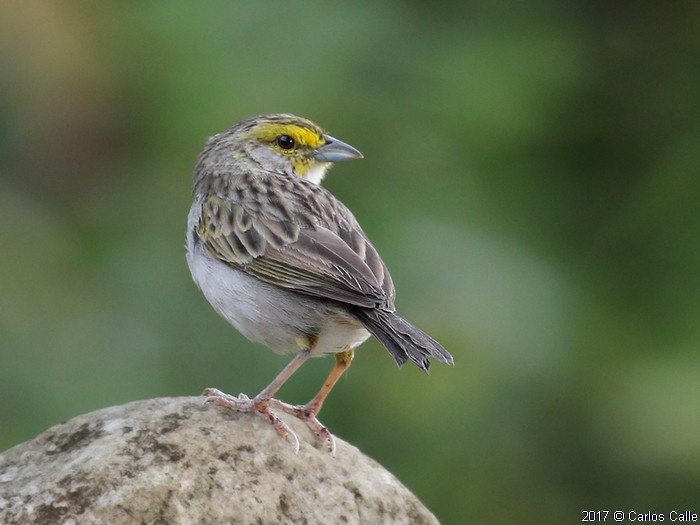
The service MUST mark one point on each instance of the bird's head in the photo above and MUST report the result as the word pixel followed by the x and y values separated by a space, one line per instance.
pixel 280 143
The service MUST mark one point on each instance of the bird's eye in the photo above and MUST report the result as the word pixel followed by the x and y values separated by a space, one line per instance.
pixel 285 142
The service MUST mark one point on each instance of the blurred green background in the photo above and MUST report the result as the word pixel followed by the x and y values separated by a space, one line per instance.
pixel 531 178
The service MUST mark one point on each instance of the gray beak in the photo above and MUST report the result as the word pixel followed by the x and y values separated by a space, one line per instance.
pixel 335 150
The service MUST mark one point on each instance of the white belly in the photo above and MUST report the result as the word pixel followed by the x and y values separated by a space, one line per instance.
pixel 281 320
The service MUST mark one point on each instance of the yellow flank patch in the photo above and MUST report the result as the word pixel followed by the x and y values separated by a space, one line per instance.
pixel 303 343
pixel 302 136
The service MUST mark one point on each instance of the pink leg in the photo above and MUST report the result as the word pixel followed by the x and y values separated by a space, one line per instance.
pixel 310 410
pixel 261 402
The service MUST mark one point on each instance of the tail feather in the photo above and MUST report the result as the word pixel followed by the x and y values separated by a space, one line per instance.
pixel 403 340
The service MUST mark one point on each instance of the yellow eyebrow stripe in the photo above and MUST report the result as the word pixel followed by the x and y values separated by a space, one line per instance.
pixel 302 136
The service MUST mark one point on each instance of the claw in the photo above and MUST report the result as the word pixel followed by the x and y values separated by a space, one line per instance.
pixel 293 435
pixel 243 403
pixel 303 413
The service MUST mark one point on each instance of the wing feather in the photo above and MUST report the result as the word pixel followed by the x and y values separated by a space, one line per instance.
pixel 318 256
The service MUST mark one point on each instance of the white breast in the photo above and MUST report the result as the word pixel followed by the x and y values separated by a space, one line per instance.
pixel 265 313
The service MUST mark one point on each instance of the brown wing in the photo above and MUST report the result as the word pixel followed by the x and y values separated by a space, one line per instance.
pixel 310 249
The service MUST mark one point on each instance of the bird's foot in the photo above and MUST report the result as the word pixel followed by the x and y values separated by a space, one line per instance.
pixel 243 403
pixel 308 416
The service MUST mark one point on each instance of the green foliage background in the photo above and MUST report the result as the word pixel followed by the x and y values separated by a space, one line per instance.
pixel 530 177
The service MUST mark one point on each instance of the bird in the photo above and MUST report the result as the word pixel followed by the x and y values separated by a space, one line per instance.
pixel 287 264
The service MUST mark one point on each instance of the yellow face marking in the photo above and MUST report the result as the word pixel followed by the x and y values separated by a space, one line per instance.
pixel 303 137
pixel 301 166
pixel 305 140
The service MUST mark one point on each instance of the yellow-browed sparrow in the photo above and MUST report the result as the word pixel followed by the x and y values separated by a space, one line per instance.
pixel 286 263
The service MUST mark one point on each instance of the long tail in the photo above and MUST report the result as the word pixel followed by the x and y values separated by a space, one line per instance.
pixel 403 340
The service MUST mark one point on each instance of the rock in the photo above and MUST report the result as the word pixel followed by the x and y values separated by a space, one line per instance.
pixel 177 461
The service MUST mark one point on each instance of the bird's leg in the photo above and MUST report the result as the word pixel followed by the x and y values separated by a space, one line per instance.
pixel 263 401
pixel 310 410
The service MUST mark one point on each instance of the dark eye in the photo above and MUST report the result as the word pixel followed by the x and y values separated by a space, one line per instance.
pixel 285 142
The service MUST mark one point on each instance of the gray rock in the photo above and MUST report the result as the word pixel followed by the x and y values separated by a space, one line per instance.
pixel 176 461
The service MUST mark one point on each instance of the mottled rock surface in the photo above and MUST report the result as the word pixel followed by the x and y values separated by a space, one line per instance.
pixel 176 461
